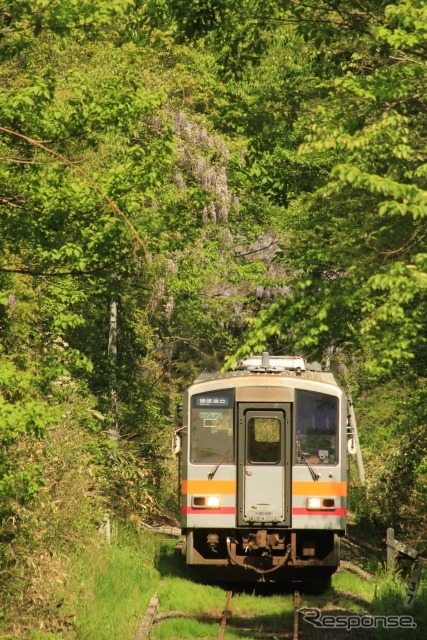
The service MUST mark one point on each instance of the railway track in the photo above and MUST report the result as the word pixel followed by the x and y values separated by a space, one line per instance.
pixel 276 633
pixel 249 625
pixel 256 622
pixel 225 616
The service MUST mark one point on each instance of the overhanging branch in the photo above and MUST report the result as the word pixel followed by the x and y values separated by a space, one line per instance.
pixel 112 205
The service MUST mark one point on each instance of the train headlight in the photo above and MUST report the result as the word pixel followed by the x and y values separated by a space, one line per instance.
pixel 314 503
pixel 213 502
pixel 206 502
pixel 320 503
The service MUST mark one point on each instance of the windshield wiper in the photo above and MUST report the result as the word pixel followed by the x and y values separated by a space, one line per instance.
pixel 303 457
pixel 218 464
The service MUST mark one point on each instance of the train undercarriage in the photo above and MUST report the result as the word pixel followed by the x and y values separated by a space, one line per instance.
pixel 263 554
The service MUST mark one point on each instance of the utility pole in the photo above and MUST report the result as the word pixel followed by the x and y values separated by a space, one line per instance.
pixel 112 362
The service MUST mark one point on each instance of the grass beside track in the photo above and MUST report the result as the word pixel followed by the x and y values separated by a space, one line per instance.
pixel 108 591
pixel 115 589
pixel 111 585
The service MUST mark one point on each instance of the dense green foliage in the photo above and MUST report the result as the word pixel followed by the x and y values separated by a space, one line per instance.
pixel 233 175
pixel 355 219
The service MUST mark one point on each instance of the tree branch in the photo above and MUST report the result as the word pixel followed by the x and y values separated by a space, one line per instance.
pixel 267 246
pixel 112 205
pixel 72 272
pixel 26 161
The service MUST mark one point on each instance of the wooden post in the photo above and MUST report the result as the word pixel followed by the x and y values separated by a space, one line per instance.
pixel 414 581
pixel 394 547
pixel 105 528
pixel 390 548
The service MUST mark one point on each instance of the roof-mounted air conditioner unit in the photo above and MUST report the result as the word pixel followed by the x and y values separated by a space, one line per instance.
pixel 272 363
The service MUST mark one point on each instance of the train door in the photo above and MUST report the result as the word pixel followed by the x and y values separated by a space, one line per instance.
pixel 264 464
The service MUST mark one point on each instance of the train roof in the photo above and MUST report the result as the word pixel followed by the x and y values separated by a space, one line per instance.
pixel 258 366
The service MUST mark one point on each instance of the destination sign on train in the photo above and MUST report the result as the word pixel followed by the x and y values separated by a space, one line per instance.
pixel 212 401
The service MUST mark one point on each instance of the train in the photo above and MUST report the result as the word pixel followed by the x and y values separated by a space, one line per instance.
pixel 263 471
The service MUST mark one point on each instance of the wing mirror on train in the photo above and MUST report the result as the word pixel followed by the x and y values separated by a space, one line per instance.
pixel 176 444
pixel 177 435
pixel 179 431
pixel 177 440
pixel 353 446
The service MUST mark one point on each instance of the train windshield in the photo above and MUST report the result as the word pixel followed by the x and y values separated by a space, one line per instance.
pixel 211 429
pixel 316 428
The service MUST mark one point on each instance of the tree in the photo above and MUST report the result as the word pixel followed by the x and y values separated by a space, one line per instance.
pixel 356 236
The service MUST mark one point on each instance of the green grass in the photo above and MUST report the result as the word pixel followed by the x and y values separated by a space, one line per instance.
pixel 180 594
pixel 180 629
pixel 388 600
pixel 184 629
pixel 113 586
pixel 36 635
pixel 347 581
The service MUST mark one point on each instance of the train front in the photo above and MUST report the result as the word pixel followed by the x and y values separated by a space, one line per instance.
pixel 263 487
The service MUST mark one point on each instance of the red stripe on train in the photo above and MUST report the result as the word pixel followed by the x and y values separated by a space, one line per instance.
pixel 302 511
pixel 211 512
pixel 296 511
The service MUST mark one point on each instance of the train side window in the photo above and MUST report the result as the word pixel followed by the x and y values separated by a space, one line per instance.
pixel 211 427
pixel 316 428
pixel 264 440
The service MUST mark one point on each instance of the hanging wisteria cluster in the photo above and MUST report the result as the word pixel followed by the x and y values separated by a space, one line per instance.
pixel 205 157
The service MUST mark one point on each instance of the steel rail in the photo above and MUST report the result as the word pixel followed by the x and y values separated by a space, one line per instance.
pixel 225 615
pixel 296 607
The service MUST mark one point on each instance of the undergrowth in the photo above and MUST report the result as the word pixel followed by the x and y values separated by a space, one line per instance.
pixel 113 585
pixel 389 597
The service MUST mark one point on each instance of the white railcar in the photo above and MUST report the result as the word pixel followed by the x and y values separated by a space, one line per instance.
pixel 264 471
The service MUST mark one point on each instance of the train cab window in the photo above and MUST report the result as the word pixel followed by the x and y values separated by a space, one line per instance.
pixel 264 440
pixel 316 428
pixel 211 428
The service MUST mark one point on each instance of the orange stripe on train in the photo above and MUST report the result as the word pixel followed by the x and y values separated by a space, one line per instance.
pixel 319 488
pixel 208 487
pixel 298 488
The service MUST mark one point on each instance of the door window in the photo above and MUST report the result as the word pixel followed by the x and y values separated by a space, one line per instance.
pixel 263 440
